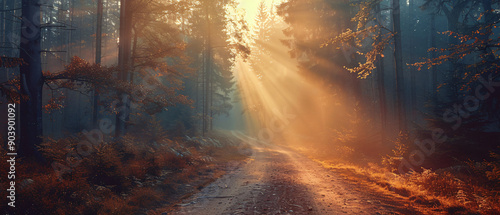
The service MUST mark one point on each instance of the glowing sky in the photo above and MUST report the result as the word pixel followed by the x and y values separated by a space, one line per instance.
pixel 251 7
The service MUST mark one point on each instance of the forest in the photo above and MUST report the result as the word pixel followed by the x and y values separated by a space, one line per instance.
pixel 250 106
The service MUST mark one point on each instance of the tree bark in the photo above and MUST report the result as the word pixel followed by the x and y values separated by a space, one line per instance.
pixel 413 81
pixel 488 18
pixel 208 74
pixel 2 25
pixel 381 88
pixel 31 81
pixel 398 64
pixel 123 108
pixel 433 55
pixel 98 45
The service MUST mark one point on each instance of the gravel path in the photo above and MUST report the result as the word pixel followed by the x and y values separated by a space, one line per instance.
pixel 280 181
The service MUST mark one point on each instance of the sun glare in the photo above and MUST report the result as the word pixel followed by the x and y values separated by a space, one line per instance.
pixel 250 8
pixel 278 102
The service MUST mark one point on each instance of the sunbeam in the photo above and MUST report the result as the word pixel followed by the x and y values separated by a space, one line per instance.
pixel 280 103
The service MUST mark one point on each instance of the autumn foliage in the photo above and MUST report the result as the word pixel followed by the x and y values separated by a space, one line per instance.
pixel 116 177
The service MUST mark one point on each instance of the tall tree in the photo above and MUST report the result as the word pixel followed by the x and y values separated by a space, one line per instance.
pixel 262 33
pixel 411 53
pixel 31 80
pixel 381 80
pixel 220 36
pixel 470 53
pixel 207 114
pixel 371 37
pixel 398 64
pixel 459 15
pixel 432 38
pixel 124 58
pixel 98 54
pixel 311 24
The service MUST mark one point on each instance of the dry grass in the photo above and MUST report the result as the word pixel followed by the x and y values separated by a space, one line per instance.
pixel 123 177
pixel 433 191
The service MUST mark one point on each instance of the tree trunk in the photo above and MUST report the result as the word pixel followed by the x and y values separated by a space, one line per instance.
pixel 488 17
pixel 381 88
pixel 2 26
pixel 433 56
pixel 95 113
pixel 203 83
pixel 31 81
pixel 208 74
pixel 123 108
pixel 453 17
pixel 9 28
pixel 413 81
pixel 208 84
pixel 398 65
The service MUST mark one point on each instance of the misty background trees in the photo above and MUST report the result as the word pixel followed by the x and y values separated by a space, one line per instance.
pixel 410 62
pixel 154 57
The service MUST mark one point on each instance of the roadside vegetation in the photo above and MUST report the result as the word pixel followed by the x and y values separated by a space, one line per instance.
pixel 466 187
pixel 142 171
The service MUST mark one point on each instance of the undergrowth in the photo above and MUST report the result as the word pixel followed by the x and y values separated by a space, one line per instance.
pixel 470 188
pixel 140 171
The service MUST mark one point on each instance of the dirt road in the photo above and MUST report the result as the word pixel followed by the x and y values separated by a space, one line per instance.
pixel 277 180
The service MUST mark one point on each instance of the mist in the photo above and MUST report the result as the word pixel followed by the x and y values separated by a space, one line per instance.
pixel 270 106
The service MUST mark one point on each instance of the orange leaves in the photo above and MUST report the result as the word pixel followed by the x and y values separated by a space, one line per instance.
pixel 46 73
pixel 480 16
pixel 10 89
pixel 476 51
pixel 79 72
pixel 349 35
pixel 364 14
pixel 9 62
pixel 377 51
pixel 53 104
pixel 370 39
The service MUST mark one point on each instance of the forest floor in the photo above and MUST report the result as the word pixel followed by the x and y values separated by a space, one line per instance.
pixel 277 180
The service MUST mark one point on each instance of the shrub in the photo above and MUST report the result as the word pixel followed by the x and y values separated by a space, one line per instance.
pixel 57 150
pixel 48 195
pixel 400 151
pixel 493 172
pixel 101 182
pixel 443 184
pixel 104 167
pixel 137 168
